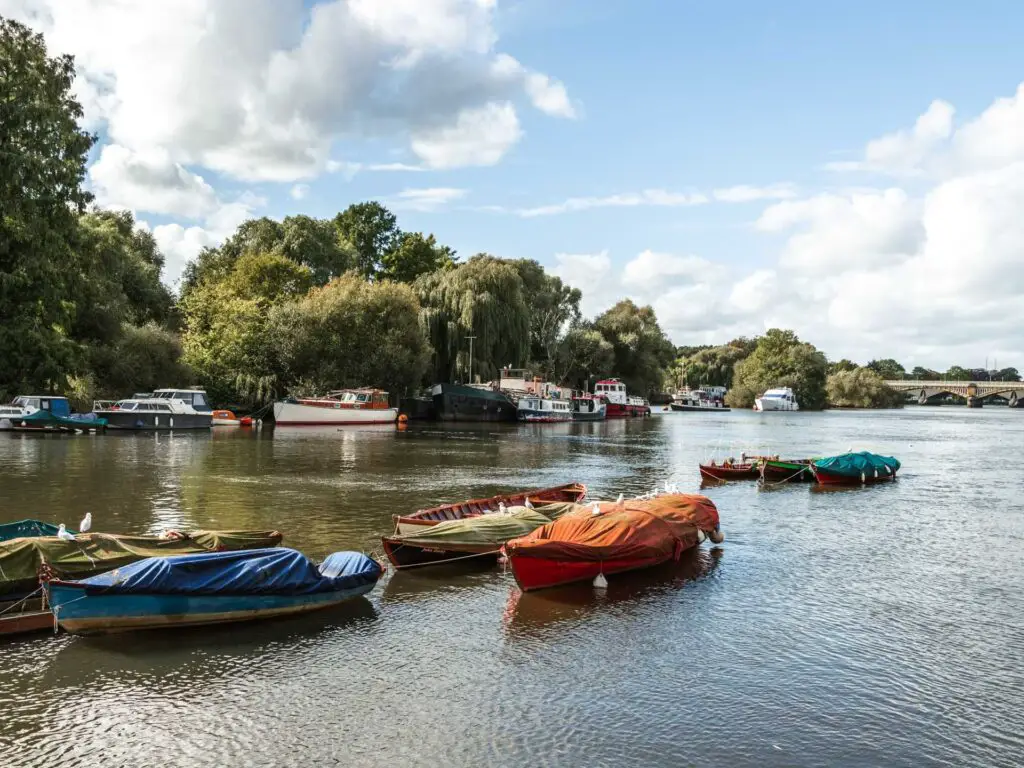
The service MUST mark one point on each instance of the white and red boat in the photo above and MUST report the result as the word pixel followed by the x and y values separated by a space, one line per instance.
pixel 346 406
pixel 620 404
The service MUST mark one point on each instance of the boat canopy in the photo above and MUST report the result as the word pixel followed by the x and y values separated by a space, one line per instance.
pixel 91 553
pixel 640 529
pixel 857 464
pixel 276 571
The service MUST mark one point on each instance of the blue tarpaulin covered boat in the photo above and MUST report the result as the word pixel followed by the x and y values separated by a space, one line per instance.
pixel 855 469
pixel 209 588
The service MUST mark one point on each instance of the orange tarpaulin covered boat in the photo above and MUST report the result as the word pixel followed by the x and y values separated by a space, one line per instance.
pixel 624 536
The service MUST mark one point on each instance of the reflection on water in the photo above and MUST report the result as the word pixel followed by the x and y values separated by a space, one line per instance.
pixel 872 626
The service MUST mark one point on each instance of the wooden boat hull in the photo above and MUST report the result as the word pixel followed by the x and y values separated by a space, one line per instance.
pixel 824 477
pixel 532 573
pixel 404 555
pixel 299 415
pixel 736 472
pixel 405 524
pixel 95 614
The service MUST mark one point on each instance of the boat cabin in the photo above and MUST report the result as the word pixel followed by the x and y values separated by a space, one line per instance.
pixel 783 393
pixel 363 399
pixel 27 404
pixel 613 390
pixel 521 380
pixel 544 404
pixel 193 397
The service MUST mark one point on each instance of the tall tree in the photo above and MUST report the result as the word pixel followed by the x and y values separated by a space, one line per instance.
pixel 42 166
pixel 481 298
pixel 888 369
pixel 957 373
pixel 553 307
pixel 414 255
pixel 781 360
pixel 315 243
pixel 373 231
pixel 1008 374
pixel 860 388
pixel 642 351
pixel 583 354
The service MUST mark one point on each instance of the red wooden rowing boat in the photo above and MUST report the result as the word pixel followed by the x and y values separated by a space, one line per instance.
pixel 620 537
pixel 742 471
pixel 572 492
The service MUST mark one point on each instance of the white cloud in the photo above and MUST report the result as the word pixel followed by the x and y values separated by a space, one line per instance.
pixel 479 136
pixel 744 193
pixel 299 192
pixel 657 197
pixel 261 89
pixel 424 200
pixel 650 268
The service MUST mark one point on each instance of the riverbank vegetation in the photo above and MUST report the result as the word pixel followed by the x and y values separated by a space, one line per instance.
pixel 304 305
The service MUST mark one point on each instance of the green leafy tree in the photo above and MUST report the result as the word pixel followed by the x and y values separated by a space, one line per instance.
pixel 708 366
pixel 956 373
pixel 888 369
pixel 351 333
pixel 860 388
pixel 583 354
pixel 925 374
pixel 842 366
pixel 781 360
pixel 553 307
pixel 414 255
pixel 42 166
pixel 315 243
pixel 373 231
pixel 642 351
pixel 1008 374
pixel 484 298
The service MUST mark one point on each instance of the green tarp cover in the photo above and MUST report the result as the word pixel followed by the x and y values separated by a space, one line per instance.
pixel 494 528
pixel 93 553
pixel 855 464
pixel 23 528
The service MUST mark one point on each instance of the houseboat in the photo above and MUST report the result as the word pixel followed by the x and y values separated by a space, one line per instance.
pixel 780 399
pixel 586 407
pixel 544 409
pixel 472 402
pixel 620 404
pixel 345 406
pixel 697 400
pixel 163 409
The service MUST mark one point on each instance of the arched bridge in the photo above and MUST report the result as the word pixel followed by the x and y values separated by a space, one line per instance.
pixel 974 392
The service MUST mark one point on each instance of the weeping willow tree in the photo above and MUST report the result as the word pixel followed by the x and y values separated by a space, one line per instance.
pixel 483 298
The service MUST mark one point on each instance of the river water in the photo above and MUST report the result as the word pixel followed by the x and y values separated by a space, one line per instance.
pixel 867 627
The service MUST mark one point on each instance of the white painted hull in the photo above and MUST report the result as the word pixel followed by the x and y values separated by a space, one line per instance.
pixel 771 404
pixel 226 422
pixel 297 414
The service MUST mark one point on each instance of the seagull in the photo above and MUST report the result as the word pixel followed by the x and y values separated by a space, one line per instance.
pixel 502 509
pixel 62 533
pixel 621 501
pixel 86 523
pixel 596 510
pixel 528 505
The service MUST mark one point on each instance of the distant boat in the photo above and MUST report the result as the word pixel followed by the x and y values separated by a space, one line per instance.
pixel 786 470
pixel 731 470
pixel 209 588
pixel 535 408
pixel 222 418
pixel 586 407
pixel 163 409
pixel 345 406
pixel 697 400
pixel 46 413
pixel 571 493
pixel 781 399
pixel 855 469
pixel 620 404
pixel 620 537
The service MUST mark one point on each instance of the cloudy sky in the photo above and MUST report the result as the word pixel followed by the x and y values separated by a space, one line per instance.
pixel 853 172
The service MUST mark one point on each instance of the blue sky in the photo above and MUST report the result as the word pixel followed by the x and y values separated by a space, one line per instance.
pixel 644 104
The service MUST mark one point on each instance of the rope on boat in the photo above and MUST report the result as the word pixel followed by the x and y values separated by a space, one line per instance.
pixel 449 560
pixel 779 482
pixel 23 600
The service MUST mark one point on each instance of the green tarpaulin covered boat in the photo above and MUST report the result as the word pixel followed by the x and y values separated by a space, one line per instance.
pixel 90 554
pixel 22 528
pixel 855 468
pixel 479 536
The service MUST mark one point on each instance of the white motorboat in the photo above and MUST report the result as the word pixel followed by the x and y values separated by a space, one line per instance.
pixel 781 399
pixel 345 406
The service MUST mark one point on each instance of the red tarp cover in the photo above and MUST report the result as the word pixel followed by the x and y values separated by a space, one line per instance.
pixel 655 528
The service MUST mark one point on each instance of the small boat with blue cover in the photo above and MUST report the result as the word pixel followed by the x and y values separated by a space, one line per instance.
pixel 209 588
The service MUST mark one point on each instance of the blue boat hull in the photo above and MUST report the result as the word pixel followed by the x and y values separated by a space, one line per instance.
pixel 95 614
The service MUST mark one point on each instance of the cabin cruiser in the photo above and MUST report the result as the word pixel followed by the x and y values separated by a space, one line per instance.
pixel 697 400
pixel 620 403
pixel 163 409
pixel 780 399
pixel 586 407
pixel 344 406
pixel 45 413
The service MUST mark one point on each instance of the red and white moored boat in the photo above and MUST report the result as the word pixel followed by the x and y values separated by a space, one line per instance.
pixel 620 404
pixel 346 406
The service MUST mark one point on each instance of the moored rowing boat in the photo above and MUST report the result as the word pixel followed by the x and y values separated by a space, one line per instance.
pixel 730 470
pixel 404 524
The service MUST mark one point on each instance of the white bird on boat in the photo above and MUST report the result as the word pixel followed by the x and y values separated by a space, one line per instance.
pixel 596 510
pixel 502 509
pixel 62 533
pixel 621 501
pixel 86 523
pixel 527 504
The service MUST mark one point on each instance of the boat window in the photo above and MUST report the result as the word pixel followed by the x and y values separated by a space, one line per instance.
pixel 160 407
pixel 199 400
pixel 186 396
pixel 125 406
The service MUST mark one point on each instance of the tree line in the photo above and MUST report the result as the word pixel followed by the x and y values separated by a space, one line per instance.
pixel 304 305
